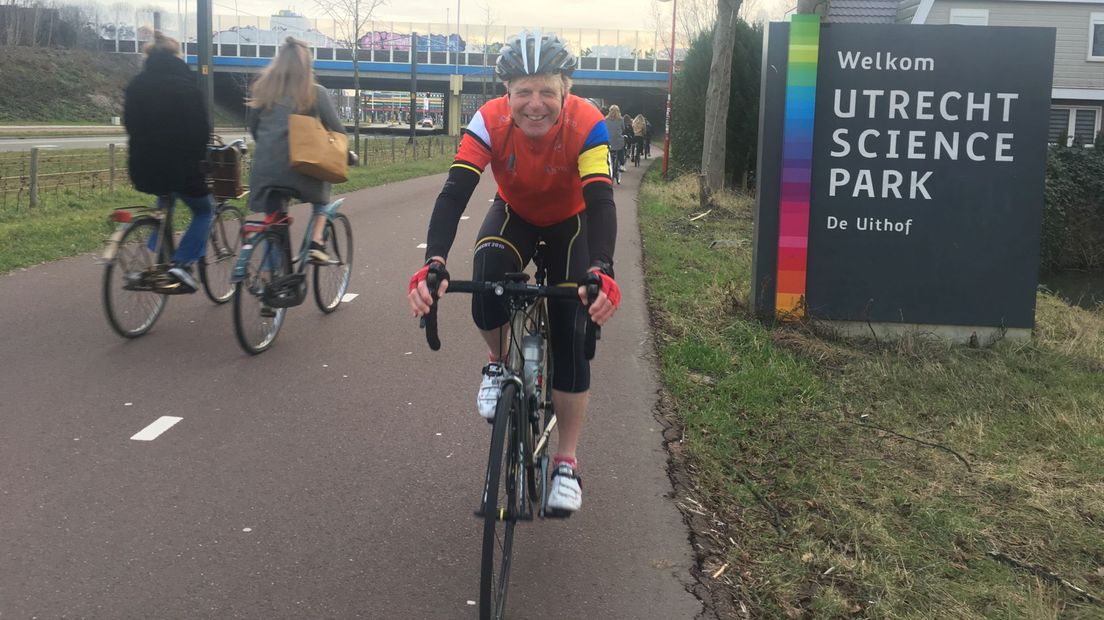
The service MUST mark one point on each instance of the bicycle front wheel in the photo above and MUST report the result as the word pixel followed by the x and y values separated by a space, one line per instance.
pixel 332 281
pixel 129 300
pixel 223 245
pixel 503 497
pixel 257 324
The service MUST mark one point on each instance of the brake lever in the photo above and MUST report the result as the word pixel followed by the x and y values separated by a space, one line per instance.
pixel 428 321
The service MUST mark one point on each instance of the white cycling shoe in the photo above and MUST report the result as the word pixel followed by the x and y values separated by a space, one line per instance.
pixel 565 494
pixel 489 390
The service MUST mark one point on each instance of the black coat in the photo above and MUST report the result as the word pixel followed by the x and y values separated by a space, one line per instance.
pixel 166 119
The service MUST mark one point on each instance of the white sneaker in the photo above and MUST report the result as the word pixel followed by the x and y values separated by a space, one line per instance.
pixel 565 494
pixel 489 390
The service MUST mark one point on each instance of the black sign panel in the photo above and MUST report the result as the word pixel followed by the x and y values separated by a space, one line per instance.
pixel 928 173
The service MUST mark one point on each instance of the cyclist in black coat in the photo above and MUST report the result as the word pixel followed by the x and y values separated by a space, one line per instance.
pixel 166 119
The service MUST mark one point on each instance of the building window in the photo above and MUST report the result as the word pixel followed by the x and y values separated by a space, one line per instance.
pixel 1075 125
pixel 970 17
pixel 1096 36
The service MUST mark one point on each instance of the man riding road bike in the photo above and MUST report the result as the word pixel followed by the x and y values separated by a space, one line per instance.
pixel 548 150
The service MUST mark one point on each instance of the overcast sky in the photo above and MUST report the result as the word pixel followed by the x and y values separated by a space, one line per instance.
pixel 606 14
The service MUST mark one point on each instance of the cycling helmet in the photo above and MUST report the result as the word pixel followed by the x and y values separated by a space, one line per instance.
pixel 532 53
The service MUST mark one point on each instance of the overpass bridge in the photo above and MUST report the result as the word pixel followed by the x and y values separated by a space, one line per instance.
pixel 639 85
pixel 636 84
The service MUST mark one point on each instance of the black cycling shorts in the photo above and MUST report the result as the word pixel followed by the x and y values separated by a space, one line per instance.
pixel 506 244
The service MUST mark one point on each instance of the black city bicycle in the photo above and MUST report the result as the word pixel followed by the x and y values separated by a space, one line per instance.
pixel 518 463
pixel 138 256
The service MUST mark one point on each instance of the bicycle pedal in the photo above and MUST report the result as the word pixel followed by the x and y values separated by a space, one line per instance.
pixel 554 513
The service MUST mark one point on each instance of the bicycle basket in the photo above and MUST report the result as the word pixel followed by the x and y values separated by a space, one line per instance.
pixel 225 169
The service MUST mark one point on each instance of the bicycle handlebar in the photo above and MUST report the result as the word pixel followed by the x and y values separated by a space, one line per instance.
pixel 501 289
pixel 239 143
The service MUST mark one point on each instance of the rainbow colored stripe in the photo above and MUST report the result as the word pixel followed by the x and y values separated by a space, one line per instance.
pixel 797 166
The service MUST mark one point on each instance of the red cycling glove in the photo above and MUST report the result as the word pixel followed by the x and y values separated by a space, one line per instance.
pixel 419 276
pixel 423 273
pixel 608 286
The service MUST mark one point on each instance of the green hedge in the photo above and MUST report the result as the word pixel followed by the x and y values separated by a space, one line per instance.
pixel 1073 218
pixel 688 105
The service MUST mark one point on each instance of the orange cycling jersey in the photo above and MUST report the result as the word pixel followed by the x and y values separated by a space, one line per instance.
pixel 540 179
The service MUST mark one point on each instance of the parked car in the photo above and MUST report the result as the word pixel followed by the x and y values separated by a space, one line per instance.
pixel 426 122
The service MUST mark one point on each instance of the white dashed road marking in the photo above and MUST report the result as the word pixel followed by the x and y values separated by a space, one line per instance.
pixel 421 246
pixel 152 431
pixel 347 297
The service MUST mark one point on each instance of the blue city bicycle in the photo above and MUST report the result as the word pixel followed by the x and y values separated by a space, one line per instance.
pixel 268 280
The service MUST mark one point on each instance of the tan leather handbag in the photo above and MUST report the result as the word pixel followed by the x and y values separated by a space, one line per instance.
pixel 316 151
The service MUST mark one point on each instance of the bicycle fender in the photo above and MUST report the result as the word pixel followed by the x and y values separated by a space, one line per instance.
pixel 113 242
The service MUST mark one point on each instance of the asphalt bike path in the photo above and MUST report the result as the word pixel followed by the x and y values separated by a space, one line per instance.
pixel 334 475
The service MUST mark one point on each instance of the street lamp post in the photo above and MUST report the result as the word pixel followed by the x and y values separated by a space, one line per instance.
pixel 670 82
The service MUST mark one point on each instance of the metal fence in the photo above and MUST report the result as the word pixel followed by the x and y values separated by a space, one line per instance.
pixel 31 178
pixel 395 149
pixel 43 175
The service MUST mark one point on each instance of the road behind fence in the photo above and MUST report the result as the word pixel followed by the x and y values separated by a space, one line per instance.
pixel 41 176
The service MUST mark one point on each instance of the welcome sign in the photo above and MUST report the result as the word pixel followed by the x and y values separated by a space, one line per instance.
pixel 902 172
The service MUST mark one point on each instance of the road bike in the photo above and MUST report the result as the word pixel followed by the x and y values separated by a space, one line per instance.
pixel 518 462
pixel 136 282
pixel 267 280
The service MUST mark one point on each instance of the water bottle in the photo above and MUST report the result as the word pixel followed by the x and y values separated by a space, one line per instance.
pixel 531 351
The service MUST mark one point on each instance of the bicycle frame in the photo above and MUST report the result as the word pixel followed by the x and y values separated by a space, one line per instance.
pixel 250 242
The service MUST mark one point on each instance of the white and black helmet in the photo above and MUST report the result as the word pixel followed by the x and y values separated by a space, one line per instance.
pixel 533 53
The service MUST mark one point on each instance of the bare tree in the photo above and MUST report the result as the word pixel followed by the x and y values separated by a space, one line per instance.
pixel 351 18
pixel 696 17
pixel 489 19
pixel 717 96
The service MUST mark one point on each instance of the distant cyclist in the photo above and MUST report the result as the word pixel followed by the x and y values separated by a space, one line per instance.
pixel 166 120
pixel 549 152
pixel 616 139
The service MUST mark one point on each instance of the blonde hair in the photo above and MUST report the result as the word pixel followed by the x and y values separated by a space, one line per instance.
pixel 289 75
pixel 638 124
pixel 162 44
pixel 614 113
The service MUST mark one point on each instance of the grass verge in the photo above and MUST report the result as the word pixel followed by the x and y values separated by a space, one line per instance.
pixel 71 224
pixel 835 478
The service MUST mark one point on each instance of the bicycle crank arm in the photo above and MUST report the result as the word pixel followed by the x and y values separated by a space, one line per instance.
pixel 543 441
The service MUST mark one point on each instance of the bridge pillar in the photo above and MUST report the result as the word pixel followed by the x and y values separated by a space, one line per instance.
pixel 456 86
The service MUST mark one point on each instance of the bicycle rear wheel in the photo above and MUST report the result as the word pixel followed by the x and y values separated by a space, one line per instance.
pixel 223 245
pixel 332 281
pixel 256 324
pixel 503 497
pixel 130 302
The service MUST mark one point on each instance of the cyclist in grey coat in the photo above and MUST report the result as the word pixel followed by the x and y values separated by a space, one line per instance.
pixel 616 139
pixel 287 87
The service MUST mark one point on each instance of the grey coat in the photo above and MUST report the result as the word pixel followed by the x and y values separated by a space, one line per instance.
pixel 271 166
pixel 616 139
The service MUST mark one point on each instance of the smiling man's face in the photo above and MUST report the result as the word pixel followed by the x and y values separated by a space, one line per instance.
pixel 535 103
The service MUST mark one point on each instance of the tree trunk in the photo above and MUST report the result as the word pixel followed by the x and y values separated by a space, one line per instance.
pixel 717 97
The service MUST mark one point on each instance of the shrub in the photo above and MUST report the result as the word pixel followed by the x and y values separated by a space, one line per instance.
pixel 1073 215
